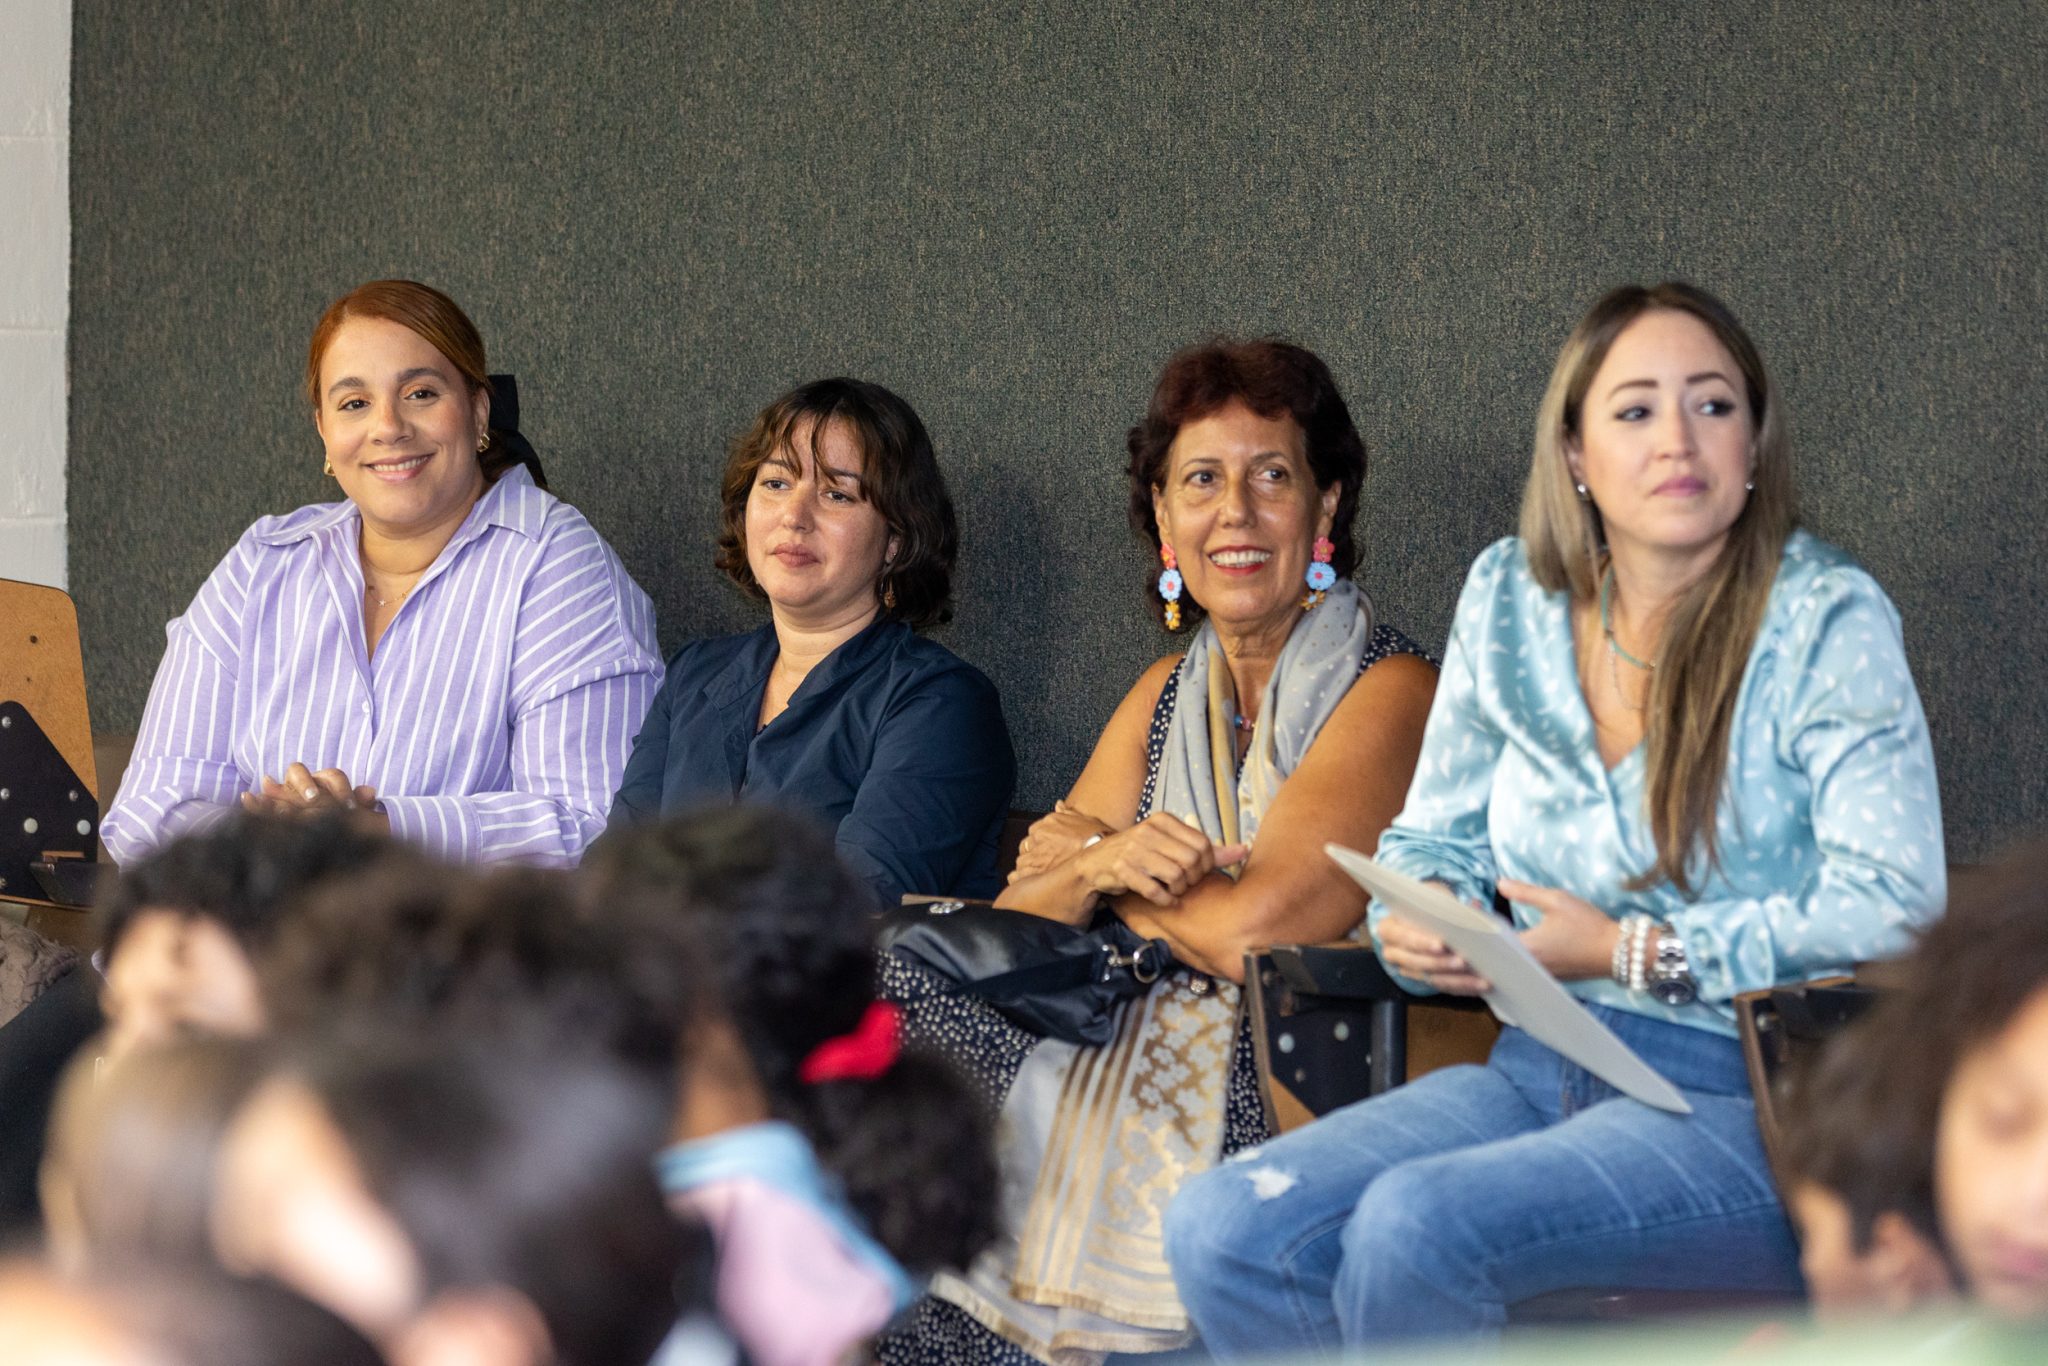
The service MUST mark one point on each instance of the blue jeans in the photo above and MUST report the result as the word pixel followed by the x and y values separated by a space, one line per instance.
pixel 1427 1211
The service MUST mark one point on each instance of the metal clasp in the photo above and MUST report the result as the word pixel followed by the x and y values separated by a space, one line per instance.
pixel 1146 962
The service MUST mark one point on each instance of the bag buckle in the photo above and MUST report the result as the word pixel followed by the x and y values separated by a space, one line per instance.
pixel 1146 962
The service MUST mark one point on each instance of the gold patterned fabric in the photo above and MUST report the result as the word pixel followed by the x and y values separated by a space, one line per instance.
pixel 1085 1271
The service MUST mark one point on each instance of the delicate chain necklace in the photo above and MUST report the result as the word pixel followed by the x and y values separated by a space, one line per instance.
pixel 1607 623
pixel 371 589
pixel 1615 653
pixel 1614 674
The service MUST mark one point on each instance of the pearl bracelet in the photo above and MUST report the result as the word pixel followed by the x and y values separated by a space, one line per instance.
pixel 1626 965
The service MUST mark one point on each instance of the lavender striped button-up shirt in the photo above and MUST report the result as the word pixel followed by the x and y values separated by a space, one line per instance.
pixel 494 720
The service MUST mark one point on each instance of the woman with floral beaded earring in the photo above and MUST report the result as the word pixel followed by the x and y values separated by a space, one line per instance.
pixel 1292 717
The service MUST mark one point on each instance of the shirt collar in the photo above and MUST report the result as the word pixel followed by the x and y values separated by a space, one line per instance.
pixel 513 502
pixel 855 654
pixel 748 670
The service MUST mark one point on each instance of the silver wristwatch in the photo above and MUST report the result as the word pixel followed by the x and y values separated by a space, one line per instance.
pixel 1670 973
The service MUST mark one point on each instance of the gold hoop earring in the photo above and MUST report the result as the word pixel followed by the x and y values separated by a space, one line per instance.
pixel 483 443
pixel 327 468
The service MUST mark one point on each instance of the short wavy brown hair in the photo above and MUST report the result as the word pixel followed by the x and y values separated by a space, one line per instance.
pixel 1271 377
pixel 899 474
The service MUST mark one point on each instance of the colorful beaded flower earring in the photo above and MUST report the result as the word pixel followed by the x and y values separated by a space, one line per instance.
pixel 1169 586
pixel 1321 578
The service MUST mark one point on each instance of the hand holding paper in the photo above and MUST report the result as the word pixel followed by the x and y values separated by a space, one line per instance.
pixel 1574 939
pixel 1524 993
pixel 1419 955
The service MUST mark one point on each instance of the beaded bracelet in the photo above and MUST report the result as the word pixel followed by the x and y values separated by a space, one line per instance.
pixel 1626 965
pixel 1638 954
pixel 1617 965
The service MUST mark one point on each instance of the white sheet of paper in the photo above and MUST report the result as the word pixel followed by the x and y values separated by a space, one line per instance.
pixel 1524 993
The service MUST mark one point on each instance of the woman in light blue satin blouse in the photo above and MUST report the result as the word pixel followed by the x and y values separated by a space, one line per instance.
pixel 1680 737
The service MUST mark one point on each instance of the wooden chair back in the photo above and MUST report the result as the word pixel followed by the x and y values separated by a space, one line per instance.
pixel 42 678
pixel 1783 1030
pixel 42 668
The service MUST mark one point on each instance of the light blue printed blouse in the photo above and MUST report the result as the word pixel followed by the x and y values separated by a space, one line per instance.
pixel 1830 821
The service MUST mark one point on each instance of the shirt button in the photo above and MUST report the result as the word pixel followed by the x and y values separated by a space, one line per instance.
pixel 366 708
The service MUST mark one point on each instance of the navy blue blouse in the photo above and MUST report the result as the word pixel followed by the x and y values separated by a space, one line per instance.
pixel 892 739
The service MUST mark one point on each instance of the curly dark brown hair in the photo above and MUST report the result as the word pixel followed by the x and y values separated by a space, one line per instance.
pixel 899 474
pixel 785 948
pixel 1271 377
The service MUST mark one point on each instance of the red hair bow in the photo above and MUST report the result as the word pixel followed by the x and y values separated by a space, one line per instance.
pixel 866 1053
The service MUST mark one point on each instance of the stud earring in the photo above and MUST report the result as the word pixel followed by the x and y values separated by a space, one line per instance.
pixel 1321 577
pixel 1170 586
pixel 1584 496
pixel 327 468
pixel 1749 484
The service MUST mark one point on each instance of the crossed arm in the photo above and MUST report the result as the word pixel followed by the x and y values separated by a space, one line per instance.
pixel 1164 876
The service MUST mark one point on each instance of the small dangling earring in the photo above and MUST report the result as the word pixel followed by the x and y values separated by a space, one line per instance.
pixel 888 597
pixel 1170 585
pixel 1321 577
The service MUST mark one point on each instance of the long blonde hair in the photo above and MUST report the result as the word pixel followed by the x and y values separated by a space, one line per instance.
pixel 1708 636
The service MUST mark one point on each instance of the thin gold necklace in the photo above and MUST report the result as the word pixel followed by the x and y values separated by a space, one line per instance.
pixel 371 589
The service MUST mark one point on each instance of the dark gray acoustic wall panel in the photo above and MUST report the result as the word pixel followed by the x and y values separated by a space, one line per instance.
pixel 663 214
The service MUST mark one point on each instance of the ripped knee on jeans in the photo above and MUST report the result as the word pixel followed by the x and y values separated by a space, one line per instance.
pixel 1270 1182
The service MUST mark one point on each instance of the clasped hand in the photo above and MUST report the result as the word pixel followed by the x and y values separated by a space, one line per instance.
pixel 1054 838
pixel 1159 858
pixel 307 793
pixel 1573 939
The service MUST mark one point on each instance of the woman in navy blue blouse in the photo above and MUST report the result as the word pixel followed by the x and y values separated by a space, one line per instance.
pixel 835 512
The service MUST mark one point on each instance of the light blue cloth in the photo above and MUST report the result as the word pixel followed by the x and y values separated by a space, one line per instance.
pixel 1830 824
pixel 780 1157
pixel 1428 1211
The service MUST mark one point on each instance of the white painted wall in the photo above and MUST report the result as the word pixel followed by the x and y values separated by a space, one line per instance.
pixel 35 283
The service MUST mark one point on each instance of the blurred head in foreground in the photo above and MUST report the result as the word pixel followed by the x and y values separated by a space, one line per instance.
pixel 129 1169
pixel 459 1199
pixel 166 1314
pixel 181 929
pixel 1958 1056
pixel 1859 1183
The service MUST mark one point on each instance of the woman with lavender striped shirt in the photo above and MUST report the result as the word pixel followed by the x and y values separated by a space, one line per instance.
pixel 451 652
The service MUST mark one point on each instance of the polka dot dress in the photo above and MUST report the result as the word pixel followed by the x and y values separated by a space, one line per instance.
pixel 988 1049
